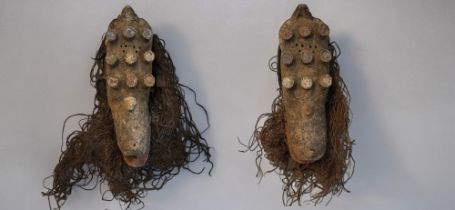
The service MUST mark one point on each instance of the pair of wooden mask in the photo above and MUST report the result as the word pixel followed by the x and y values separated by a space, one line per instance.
pixel 141 133
pixel 305 137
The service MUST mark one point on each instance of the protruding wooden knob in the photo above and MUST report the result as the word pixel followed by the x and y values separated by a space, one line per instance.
pixel 130 58
pixel 287 58
pixel 326 56
pixel 305 31
pixel 149 56
pixel 286 33
pixel 306 83
pixel 113 82
pixel 323 30
pixel 111 59
pixel 325 81
pixel 149 80
pixel 307 57
pixel 287 83
pixel 111 36
pixel 147 34
pixel 129 32
pixel 131 80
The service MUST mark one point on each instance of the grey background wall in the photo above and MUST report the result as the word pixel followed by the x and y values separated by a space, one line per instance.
pixel 397 59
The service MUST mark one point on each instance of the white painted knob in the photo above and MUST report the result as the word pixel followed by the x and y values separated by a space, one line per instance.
pixel 306 83
pixel 130 58
pixel 149 56
pixel 325 81
pixel 149 80
pixel 287 83
pixel 326 56
pixel 111 59
pixel 112 82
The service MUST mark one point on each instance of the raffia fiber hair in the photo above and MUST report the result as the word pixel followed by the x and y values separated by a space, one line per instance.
pixel 323 178
pixel 92 155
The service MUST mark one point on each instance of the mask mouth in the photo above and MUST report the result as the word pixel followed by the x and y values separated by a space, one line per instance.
pixel 135 159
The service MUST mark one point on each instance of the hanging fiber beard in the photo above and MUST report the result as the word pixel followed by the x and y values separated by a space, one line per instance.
pixel 306 136
pixel 93 156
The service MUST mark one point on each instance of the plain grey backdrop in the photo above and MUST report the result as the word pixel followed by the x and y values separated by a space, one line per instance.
pixel 397 60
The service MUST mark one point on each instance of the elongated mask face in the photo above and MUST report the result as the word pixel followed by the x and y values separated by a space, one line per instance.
pixel 128 65
pixel 306 137
pixel 305 80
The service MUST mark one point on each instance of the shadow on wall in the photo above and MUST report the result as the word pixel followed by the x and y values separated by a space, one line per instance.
pixel 380 176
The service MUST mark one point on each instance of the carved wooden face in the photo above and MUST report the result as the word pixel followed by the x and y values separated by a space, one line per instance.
pixel 128 65
pixel 305 79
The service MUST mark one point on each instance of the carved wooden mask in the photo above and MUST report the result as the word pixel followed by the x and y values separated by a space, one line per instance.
pixel 306 137
pixel 305 79
pixel 128 64
pixel 140 134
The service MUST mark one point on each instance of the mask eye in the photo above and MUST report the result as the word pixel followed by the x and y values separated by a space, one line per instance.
pixel 306 83
pixel 325 81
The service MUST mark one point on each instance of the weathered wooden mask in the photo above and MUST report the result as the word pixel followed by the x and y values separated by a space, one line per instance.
pixel 141 132
pixel 306 136
pixel 128 64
